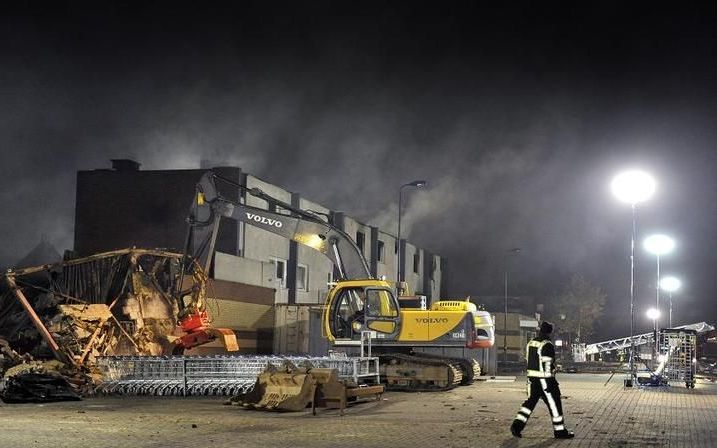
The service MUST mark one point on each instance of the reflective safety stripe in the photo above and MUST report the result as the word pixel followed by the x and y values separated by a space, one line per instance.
pixel 544 366
pixel 551 403
pixel 558 419
pixel 539 374
pixel 534 344
pixel 522 418
pixel 525 410
pixel 558 427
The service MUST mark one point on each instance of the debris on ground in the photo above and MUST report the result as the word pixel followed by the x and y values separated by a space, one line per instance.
pixel 41 381
pixel 30 387
pixel 125 302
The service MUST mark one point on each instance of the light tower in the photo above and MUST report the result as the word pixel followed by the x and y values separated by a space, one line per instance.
pixel 632 187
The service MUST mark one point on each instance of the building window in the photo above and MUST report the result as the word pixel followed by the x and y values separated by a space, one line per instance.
pixel 416 262
pixel 381 255
pixel 360 240
pixel 279 271
pixel 302 277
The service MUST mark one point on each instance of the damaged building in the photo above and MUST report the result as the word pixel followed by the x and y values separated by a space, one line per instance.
pixel 261 292
pixel 267 289
pixel 125 288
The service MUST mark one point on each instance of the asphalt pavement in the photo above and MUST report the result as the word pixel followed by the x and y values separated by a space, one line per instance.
pixel 474 416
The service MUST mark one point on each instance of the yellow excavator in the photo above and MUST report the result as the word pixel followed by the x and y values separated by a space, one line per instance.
pixel 419 349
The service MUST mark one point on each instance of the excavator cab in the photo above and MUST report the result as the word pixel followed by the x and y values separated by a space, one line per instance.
pixel 356 306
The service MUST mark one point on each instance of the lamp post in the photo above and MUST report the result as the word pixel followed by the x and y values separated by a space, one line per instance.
pixel 415 184
pixel 654 314
pixel 658 245
pixel 670 284
pixel 509 252
pixel 632 187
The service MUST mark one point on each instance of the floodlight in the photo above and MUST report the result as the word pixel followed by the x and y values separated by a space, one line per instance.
pixel 653 313
pixel 670 284
pixel 633 186
pixel 659 244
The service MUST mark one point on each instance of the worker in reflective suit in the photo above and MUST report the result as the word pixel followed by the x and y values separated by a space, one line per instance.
pixel 540 354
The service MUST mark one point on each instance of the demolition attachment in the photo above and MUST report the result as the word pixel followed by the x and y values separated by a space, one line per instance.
pixel 288 388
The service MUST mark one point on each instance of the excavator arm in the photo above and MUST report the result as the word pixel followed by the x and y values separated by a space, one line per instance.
pixel 295 224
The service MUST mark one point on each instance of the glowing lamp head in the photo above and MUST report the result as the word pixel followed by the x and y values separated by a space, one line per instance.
pixel 659 244
pixel 670 284
pixel 633 186
pixel 653 314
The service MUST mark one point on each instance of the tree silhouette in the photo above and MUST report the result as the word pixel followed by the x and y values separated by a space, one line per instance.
pixel 578 307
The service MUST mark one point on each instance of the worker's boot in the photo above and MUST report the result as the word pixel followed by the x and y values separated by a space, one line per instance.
pixel 516 428
pixel 563 434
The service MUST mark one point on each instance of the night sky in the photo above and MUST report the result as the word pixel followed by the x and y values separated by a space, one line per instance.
pixel 518 116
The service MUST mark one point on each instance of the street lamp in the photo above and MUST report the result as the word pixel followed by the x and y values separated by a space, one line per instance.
pixel 632 187
pixel 415 184
pixel 658 245
pixel 670 284
pixel 509 252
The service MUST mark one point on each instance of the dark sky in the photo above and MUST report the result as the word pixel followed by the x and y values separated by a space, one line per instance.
pixel 517 115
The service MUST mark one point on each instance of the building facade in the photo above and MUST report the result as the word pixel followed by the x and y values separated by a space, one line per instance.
pixel 126 206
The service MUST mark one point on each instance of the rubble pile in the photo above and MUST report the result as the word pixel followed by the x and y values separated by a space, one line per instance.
pixel 42 381
pixel 56 320
pixel 9 357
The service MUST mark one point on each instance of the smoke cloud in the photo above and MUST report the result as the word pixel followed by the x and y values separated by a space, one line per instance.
pixel 518 135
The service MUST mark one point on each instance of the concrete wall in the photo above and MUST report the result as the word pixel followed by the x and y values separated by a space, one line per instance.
pixel 352 227
pixel 319 267
pixel 239 269
pixel 259 244
pixel 433 276
pixel 413 279
pixel 387 266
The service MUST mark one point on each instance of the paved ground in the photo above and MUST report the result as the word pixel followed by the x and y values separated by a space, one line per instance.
pixel 475 416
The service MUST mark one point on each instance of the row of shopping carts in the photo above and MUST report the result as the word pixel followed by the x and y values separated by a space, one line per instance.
pixel 214 375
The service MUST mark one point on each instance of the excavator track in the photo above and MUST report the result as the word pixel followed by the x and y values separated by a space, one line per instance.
pixel 470 368
pixel 418 373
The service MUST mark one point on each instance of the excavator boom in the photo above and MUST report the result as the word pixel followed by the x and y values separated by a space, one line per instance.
pixel 297 225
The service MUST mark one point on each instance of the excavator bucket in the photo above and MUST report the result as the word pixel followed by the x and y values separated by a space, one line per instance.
pixel 286 389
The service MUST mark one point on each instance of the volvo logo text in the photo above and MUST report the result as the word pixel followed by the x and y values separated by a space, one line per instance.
pixel 432 320
pixel 260 219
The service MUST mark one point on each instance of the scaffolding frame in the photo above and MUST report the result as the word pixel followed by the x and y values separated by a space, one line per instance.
pixel 678 357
